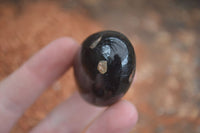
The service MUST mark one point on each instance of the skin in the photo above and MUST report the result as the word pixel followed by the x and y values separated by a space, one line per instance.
pixel 20 89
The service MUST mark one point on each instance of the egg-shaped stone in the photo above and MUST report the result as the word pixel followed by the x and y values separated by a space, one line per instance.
pixel 104 67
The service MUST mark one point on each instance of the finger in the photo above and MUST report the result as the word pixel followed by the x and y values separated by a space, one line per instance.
pixel 119 118
pixel 72 116
pixel 22 88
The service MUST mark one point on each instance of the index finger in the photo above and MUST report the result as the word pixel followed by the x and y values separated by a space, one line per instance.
pixel 20 89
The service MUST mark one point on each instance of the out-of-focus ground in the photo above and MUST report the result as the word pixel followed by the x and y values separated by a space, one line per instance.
pixel 166 38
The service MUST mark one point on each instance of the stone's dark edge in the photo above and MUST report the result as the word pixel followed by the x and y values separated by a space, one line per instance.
pixel 107 88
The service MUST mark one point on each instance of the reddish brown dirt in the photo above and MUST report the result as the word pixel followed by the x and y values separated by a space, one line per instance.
pixel 166 37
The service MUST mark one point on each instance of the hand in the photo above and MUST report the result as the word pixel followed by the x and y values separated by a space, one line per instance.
pixel 19 90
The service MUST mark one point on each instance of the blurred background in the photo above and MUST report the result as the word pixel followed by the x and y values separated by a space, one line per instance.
pixel 166 37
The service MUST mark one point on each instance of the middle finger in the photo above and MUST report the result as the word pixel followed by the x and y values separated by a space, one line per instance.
pixel 72 115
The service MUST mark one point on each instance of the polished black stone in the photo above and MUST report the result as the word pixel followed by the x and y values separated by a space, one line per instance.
pixel 105 67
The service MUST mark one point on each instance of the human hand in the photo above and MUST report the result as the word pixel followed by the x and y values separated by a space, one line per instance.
pixel 19 90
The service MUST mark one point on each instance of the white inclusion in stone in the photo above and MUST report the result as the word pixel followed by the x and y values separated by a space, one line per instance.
pixel 131 76
pixel 106 51
pixel 102 66
pixel 95 43
pixel 125 61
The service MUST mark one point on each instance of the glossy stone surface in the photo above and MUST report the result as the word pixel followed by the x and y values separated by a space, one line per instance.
pixel 105 67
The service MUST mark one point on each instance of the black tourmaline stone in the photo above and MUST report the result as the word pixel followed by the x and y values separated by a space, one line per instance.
pixel 105 67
